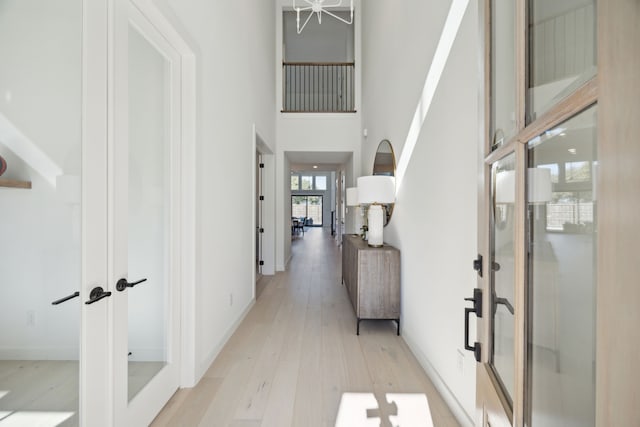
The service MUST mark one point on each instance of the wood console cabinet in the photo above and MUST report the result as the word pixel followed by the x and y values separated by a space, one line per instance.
pixel 372 278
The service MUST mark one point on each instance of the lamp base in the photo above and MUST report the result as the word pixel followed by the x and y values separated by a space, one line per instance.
pixel 375 219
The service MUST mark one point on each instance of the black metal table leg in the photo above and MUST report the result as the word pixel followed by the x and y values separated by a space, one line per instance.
pixel 358 327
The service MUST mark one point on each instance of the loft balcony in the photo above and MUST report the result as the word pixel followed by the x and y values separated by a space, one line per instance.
pixel 318 87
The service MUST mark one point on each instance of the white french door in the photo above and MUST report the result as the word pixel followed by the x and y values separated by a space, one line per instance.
pixel 90 137
pixel 144 215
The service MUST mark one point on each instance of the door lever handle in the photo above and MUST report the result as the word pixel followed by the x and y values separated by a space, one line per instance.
pixel 505 302
pixel 67 298
pixel 476 348
pixel 97 294
pixel 122 284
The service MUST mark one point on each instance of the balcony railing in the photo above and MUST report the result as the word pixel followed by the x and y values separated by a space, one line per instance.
pixel 311 87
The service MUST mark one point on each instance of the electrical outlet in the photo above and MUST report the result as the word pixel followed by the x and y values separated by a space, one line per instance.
pixel 31 318
pixel 230 299
pixel 460 361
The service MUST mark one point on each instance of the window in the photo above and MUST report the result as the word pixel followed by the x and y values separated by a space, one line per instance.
pixel 307 183
pixel 577 172
pixel 321 183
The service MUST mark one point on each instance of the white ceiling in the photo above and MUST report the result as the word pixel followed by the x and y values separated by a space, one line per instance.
pixel 325 160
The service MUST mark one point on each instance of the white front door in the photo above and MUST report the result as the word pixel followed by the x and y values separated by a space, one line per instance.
pixel 144 211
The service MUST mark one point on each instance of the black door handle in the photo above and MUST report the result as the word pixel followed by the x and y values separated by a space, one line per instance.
pixel 97 294
pixel 67 298
pixel 123 284
pixel 477 310
pixel 503 301
pixel 477 265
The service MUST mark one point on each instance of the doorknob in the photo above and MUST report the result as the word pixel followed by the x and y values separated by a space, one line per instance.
pixel 67 298
pixel 477 310
pixel 123 284
pixel 97 294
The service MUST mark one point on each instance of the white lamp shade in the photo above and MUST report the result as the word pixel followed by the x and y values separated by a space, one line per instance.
pixel 505 191
pixel 376 189
pixel 539 186
pixel 352 196
pixel 539 190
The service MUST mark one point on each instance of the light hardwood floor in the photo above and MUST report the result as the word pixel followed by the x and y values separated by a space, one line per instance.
pixel 30 387
pixel 296 353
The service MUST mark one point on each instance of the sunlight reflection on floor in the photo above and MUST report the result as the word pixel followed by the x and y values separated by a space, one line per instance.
pixel 33 419
pixel 362 410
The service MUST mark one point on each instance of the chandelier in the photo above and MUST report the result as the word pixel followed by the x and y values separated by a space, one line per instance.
pixel 319 7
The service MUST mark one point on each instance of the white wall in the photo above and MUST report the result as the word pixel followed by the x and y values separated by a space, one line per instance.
pixel 40 98
pixel 331 41
pixel 434 221
pixel 235 75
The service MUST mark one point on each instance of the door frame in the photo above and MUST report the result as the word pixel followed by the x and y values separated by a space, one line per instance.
pixel 260 147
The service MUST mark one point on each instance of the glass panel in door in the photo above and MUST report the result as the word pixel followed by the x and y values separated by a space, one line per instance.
pixel 503 71
pixel 502 268
pixel 149 210
pixel 314 210
pixel 562 50
pixel 562 273
pixel 41 213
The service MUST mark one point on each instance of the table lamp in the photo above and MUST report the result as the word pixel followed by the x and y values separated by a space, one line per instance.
pixel 376 191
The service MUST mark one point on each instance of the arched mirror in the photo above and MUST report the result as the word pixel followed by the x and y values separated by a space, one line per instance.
pixel 385 164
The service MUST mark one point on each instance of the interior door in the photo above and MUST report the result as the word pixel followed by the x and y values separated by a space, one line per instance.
pixel 259 208
pixel 144 210
pixel 54 297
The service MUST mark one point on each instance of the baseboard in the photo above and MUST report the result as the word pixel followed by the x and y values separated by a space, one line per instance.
pixel 286 263
pixel 204 366
pixel 458 411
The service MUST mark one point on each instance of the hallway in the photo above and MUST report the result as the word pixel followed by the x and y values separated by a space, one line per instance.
pixel 296 353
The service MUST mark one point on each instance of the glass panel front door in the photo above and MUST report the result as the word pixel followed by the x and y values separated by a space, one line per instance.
pixel 562 51
pixel 41 211
pixel 503 77
pixel 502 266
pixel 562 273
